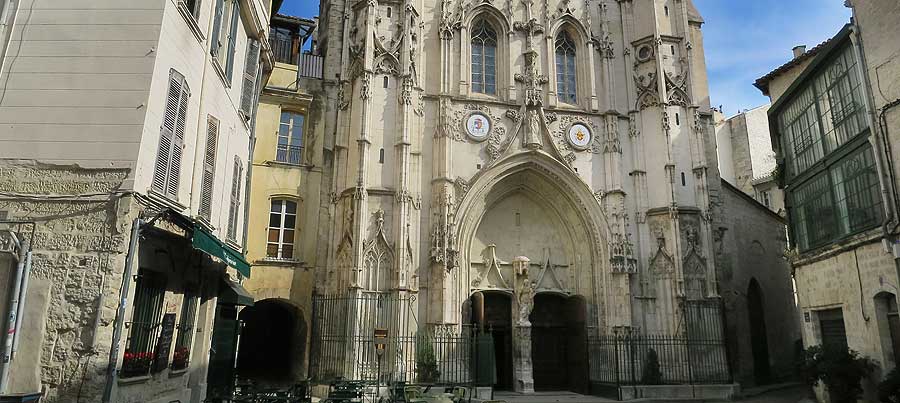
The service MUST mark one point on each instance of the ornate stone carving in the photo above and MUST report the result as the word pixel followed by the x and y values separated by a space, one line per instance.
pixel 622 258
pixel 698 122
pixel 676 89
pixel 532 79
pixel 406 91
pixel 604 45
pixel 378 259
pixel 365 89
pixel 342 103
pixel 633 131
pixel 647 88
pixel 513 114
pixel 7 244
pixel 550 117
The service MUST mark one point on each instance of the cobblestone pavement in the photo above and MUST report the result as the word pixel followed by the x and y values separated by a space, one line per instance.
pixel 786 395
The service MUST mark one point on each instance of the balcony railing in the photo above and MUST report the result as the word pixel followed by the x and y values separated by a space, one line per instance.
pixel 310 66
pixel 288 154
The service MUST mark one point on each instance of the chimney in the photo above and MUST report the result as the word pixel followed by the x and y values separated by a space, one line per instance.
pixel 799 50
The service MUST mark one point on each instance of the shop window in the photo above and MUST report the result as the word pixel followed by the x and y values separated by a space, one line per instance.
pixel 145 325
pixel 282 224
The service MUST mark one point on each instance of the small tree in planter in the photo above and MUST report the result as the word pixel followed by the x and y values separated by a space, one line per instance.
pixel 426 362
pixel 651 374
pixel 889 388
pixel 839 368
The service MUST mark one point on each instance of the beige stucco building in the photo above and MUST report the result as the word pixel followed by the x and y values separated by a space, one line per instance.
pixel 833 120
pixel 286 191
pixel 124 146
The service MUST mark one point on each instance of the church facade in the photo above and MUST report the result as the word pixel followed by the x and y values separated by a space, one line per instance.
pixel 525 165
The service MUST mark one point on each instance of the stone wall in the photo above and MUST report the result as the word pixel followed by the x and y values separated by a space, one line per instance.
pixel 78 252
pixel 753 244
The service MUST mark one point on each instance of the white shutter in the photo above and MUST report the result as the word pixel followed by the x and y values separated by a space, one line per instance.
pixel 209 167
pixel 251 66
pixel 235 198
pixel 171 137
pixel 232 37
pixel 178 144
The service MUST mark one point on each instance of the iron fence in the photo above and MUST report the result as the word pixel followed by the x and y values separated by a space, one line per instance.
pixel 697 355
pixel 344 342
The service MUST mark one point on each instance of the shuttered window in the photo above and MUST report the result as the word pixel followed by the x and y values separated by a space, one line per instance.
pixel 248 91
pixel 209 167
pixel 216 41
pixel 232 36
pixel 831 324
pixel 171 138
pixel 234 206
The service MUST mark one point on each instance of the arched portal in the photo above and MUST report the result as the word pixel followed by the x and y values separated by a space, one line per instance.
pixel 273 344
pixel 531 209
pixel 759 342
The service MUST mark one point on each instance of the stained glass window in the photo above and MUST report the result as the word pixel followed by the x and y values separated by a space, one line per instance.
pixel 565 68
pixel 484 58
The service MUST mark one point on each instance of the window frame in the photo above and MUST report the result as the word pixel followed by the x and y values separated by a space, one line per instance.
pixel 145 324
pixel 483 26
pixel 187 322
pixel 288 149
pixel 282 218
pixel 567 88
pixel 812 91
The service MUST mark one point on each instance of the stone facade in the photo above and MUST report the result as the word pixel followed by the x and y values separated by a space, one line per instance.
pixel 754 239
pixel 79 157
pixel 847 287
pixel 436 188
pixel 746 157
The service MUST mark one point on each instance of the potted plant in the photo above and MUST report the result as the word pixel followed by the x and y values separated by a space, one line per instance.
pixel 426 362
pixel 839 368
pixel 651 374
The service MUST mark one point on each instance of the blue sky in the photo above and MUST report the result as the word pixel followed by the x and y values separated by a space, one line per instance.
pixel 744 39
pixel 300 8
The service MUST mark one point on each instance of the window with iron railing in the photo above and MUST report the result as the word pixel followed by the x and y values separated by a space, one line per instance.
pixel 145 325
pixel 290 138
pixel 185 328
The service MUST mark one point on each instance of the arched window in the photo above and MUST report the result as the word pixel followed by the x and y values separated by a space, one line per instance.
pixel 484 52
pixel 565 68
pixel 282 224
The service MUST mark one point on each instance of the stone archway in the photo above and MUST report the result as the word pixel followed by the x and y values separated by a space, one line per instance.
pixel 273 343
pixel 530 226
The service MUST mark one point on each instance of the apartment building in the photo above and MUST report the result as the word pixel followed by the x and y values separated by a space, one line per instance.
pixel 125 134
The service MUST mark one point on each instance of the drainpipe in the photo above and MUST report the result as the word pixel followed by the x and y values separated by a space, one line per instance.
pixel 13 311
pixel 120 312
pixel 21 312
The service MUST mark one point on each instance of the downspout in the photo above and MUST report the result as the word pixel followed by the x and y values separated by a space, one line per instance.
pixel 256 95
pixel 13 310
pixel 7 23
pixel 120 312
pixel 21 311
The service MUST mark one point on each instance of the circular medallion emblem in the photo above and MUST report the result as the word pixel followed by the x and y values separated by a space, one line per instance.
pixel 644 52
pixel 478 126
pixel 579 136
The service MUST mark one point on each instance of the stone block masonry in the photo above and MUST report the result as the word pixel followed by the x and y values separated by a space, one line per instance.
pixel 79 247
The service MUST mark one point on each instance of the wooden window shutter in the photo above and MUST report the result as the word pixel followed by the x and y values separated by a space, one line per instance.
pixel 171 138
pixel 232 37
pixel 215 45
pixel 251 66
pixel 209 167
pixel 234 206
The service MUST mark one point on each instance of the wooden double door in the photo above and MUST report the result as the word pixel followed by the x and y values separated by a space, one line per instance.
pixel 559 343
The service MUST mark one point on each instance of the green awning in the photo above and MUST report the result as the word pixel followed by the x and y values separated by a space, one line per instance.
pixel 208 243
pixel 234 294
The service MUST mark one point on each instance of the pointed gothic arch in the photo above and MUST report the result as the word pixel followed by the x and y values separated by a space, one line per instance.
pixel 499 23
pixel 544 178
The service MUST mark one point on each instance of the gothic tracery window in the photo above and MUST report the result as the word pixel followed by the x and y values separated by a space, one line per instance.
pixel 565 68
pixel 484 52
